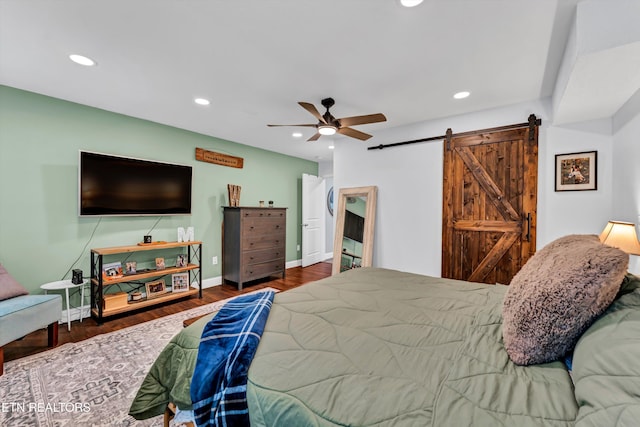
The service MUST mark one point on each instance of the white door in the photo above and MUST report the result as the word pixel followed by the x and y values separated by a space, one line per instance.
pixel 313 219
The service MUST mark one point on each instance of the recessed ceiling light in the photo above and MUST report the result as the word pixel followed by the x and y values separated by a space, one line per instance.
pixel 202 101
pixel 296 135
pixel 461 95
pixel 410 3
pixel 331 147
pixel 82 60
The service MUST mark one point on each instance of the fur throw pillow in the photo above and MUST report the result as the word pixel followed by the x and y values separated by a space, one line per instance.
pixel 556 296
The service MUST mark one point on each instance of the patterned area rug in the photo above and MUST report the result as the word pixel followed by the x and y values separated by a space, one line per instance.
pixel 91 382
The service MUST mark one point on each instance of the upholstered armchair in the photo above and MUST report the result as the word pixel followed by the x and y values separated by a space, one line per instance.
pixel 22 314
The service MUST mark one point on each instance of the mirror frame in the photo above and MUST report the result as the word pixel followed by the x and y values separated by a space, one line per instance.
pixel 370 193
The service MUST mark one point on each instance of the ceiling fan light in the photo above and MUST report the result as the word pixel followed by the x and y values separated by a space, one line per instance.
pixel 327 130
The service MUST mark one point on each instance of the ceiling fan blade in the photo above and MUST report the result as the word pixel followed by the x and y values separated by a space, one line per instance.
pixel 304 125
pixel 314 137
pixel 313 110
pixel 362 120
pixel 354 133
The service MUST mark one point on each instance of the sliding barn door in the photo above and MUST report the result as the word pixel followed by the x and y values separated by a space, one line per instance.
pixel 489 209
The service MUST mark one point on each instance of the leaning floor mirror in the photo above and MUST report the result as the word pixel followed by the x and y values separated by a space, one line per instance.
pixel 355 220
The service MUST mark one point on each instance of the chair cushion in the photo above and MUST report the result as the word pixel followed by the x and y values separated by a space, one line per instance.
pixel 24 314
pixel 9 287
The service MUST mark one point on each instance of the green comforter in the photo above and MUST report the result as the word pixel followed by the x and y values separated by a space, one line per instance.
pixel 377 347
pixel 169 378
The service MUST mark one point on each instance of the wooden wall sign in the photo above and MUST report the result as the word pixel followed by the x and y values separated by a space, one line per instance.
pixel 219 158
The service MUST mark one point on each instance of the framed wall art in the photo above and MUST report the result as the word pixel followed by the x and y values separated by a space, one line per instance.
pixel 577 171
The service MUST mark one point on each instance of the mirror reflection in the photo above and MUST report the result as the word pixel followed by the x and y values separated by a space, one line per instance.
pixel 353 233
pixel 355 215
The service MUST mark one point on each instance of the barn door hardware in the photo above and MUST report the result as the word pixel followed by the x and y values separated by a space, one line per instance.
pixel 527 237
pixel 531 124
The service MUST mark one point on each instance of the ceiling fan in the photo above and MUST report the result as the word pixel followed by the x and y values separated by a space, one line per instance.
pixel 329 125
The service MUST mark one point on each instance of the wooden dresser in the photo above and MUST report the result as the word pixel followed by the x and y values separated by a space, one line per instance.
pixel 253 244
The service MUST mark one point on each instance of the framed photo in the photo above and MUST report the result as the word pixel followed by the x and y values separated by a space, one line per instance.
pixel 130 267
pixel 112 270
pixel 155 288
pixel 577 171
pixel 159 263
pixel 181 260
pixel 180 282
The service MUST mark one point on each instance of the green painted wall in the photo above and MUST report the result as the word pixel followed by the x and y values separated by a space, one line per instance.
pixel 41 236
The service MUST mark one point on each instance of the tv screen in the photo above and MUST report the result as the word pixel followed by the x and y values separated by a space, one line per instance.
pixel 114 185
pixel 353 226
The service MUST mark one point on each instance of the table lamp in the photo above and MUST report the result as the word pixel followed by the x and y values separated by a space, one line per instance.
pixel 621 235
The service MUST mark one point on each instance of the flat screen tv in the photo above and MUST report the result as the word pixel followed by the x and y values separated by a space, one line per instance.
pixel 114 185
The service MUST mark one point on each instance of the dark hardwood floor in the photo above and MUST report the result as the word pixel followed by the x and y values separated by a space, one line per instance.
pixel 37 341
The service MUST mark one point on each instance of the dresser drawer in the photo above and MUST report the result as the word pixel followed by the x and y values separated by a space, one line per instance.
pixel 263 255
pixel 256 271
pixel 259 226
pixel 263 213
pixel 250 243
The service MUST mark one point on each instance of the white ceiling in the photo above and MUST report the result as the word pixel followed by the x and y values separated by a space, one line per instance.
pixel 255 59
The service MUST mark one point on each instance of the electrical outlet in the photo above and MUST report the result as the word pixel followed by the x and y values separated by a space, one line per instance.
pixel 214 260
pixel 298 248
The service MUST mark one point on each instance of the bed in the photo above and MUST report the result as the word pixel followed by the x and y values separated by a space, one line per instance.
pixel 378 347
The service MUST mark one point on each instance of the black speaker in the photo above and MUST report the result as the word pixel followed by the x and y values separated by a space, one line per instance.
pixel 76 276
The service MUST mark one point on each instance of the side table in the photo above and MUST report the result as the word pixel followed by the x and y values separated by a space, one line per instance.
pixel 66 285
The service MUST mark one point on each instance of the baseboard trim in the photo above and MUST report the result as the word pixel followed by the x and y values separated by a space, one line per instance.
pixel 294 263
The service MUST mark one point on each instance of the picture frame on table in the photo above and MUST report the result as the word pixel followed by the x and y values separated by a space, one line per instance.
pixel 155 288
pixel 131 267
pixel 180 282
pixel 112 270
pixel 576 171
pixel 181 260
pixel 160 264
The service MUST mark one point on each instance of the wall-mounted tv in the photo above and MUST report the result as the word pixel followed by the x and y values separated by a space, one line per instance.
pixel 115 185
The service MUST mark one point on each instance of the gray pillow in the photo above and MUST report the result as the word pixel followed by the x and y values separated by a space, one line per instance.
pixel 557 294
pixel 9 288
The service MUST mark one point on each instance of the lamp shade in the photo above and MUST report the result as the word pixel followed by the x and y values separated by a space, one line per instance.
pixel 621 235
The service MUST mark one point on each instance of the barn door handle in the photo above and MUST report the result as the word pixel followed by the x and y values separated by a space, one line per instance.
pixel 527 237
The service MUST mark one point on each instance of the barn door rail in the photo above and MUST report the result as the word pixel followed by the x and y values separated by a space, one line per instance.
pixel 531 124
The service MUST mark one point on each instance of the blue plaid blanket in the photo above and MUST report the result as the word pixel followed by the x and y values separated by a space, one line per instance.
pixel 228 344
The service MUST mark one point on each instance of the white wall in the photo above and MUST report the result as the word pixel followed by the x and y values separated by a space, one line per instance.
pixel 409 179
pixel 325 170
pixel 626 170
